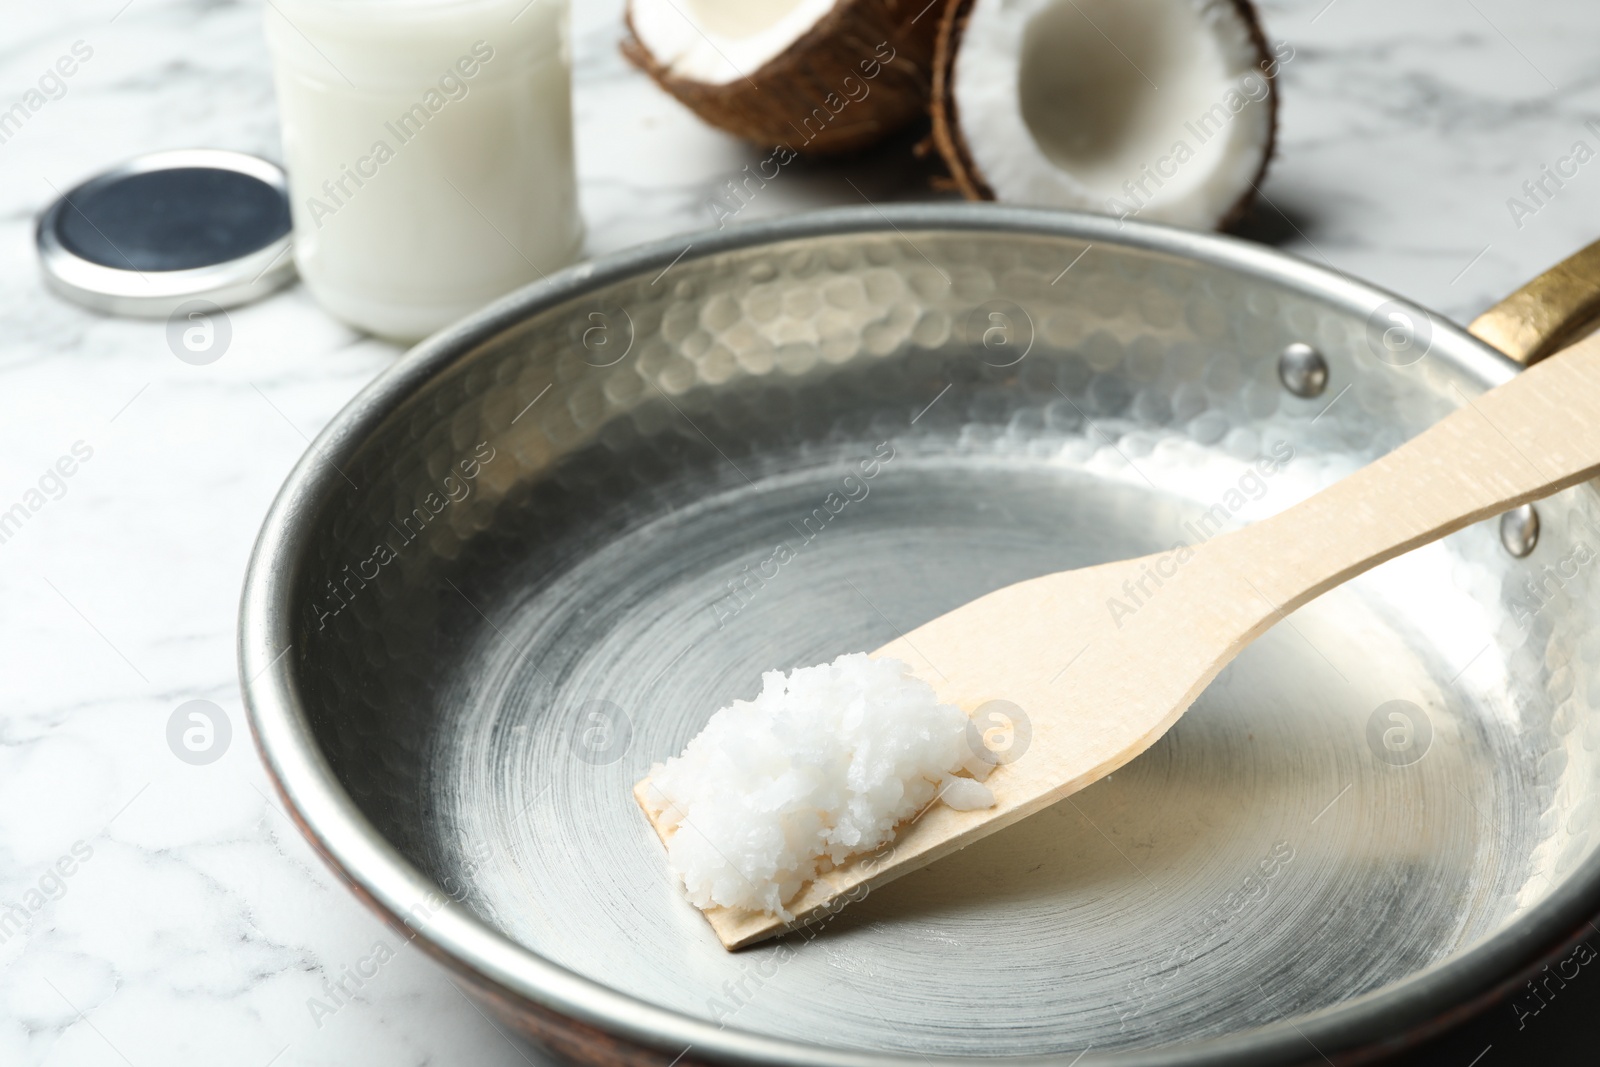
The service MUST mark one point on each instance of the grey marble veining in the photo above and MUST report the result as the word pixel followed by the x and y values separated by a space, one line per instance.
pixel 195 926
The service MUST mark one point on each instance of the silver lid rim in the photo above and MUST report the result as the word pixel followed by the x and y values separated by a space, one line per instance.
pixel 156 294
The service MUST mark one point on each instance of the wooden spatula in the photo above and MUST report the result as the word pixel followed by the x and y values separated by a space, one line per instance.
pixel 1099 690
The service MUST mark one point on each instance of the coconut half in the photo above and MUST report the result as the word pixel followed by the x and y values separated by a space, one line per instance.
pixel 1163 110
pixel 819 76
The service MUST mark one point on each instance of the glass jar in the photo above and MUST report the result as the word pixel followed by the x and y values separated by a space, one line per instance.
pixel 429 151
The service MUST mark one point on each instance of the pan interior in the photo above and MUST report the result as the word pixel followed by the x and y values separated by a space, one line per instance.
pixel 581 568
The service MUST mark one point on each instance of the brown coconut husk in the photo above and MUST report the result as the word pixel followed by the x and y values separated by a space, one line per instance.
pixel 947 136
pixel 952 145
pixel 800 97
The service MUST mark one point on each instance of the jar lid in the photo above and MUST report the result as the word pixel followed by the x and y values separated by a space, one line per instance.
pixel 145 236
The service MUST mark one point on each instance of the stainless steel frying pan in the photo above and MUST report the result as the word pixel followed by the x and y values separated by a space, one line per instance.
pixel 535 555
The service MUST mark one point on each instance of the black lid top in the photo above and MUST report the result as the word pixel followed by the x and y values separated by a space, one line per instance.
pixel 147 235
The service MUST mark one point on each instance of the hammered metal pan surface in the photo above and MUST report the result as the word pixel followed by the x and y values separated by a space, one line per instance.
pixel 559 537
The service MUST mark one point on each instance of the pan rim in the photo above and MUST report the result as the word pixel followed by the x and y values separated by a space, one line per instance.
pixel 353 847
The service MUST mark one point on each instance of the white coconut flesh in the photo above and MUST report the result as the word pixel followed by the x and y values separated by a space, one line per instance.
pixel 1155 109
pixel 722 41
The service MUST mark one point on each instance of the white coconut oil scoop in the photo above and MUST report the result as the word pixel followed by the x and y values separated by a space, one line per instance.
pixel 1098 687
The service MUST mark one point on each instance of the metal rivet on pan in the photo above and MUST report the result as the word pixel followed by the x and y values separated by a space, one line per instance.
pixel 1302 370
pixel 1519 530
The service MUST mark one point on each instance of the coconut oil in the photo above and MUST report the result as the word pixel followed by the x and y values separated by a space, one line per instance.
pixel 429 151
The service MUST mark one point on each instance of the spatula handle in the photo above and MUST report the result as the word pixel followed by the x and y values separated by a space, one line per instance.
pixel 1531 437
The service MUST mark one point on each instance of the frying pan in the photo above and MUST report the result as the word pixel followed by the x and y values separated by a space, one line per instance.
pixel 530 560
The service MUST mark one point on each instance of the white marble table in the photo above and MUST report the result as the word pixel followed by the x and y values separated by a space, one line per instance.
pixel 200 928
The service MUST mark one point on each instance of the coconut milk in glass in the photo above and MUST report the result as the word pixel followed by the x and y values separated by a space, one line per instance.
pixel 429 151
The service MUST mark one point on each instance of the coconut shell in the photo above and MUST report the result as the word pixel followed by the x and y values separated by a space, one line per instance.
pixel 801 98
pixel 964 171
pixel 947 137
